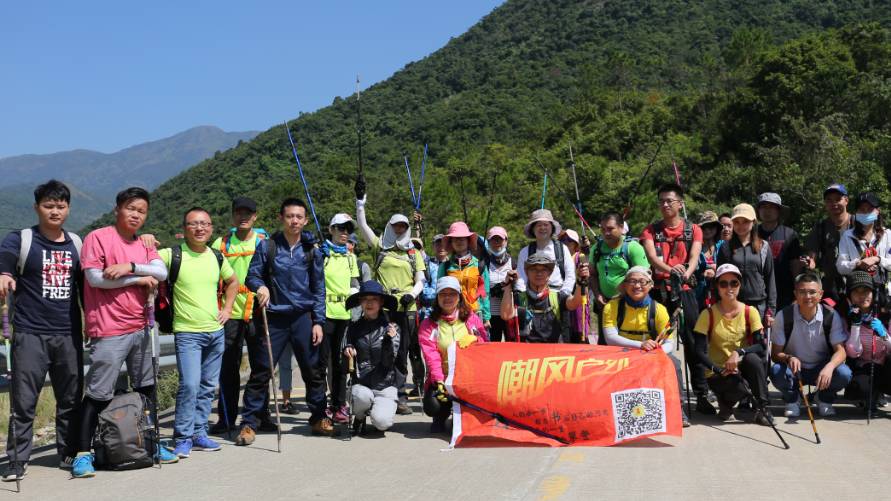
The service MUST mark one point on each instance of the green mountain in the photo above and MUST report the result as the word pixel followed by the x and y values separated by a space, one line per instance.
pixel 743 96
pixel 96 177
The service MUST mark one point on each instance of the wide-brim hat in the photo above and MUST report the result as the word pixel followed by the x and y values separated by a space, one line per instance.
pixel 542 215
pixel 372 288
pixel 708 217
pixel 459 229
pixel 771 198
pixel 540 259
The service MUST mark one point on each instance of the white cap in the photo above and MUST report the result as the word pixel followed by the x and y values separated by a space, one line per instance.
pixel 341 218
pixel 448 283
pixel 727 268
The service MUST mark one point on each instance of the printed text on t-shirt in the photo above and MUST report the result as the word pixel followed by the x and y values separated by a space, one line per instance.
pixel 57 274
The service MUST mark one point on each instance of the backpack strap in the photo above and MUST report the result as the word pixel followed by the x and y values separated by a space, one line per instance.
pixel 788 322
pixel 620 314
pixel 554 303
pixel 27 235
pixel 219 256
pixel 651 320
pixel 78 243
pixel 688 236
pixel 559 257
pixel 828 317
pixel 176 260
pixel 270 257
pixel 748 325
pixel 624 251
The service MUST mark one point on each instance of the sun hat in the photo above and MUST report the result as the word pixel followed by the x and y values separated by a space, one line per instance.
pixel 496 231
pixel 372 288
pixel 343 218
pixel 541 215
pixel 459 229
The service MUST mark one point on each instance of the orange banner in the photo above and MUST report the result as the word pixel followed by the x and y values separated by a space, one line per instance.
pixel 561 394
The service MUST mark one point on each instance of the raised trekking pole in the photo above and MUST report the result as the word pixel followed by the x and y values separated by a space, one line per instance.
pixel 575 183
pixel 303 180
pixel 627 212
pixel 150 333
pixel 358 122
pixel 272 382
pixel 411 185
pixel 7 338
pixel 544 190
pixel 761 408
pixel 421 181
pixel 810 413
pixel 565 196
pixel 677 177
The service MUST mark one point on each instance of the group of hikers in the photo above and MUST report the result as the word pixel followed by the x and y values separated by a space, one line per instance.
pixel 745 298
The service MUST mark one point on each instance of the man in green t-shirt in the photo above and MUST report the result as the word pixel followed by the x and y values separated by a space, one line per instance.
pixel 613 255
pixel 195 271
pixel 341 281
pixel 238 247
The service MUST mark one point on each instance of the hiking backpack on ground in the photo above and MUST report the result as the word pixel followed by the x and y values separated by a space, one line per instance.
pixel 125 439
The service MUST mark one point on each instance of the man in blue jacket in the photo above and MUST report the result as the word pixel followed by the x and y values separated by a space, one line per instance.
pixel 291 286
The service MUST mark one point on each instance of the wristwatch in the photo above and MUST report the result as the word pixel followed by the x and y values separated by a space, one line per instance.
pixel 132 267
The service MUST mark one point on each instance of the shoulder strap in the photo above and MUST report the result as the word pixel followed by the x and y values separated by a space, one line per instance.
pixel 559 257
pixel 624 251
pixel 620 314
pixel 270 256
pixel 659 231
pixel 828 315
pixel 688 236
pixel 651 320
pixel 219 256
pixel 24 248
pixel 78 243
pixel 176 260
pixel 788 322
pixel 554 300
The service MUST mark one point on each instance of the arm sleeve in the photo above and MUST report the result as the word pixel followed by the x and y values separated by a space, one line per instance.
pixel 520 286
pixel 611 330
pixel 420 276
pixel 758 344
pixel 701 345
pixel 95 279
pixel 853 347
pixel 569 265
pixel 155 269
pixel 848 257
pixel 364 230
pixel 254 278
pixel 9 252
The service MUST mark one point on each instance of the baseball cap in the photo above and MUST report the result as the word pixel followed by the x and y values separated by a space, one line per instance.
pixel 836 187
pixel 244 203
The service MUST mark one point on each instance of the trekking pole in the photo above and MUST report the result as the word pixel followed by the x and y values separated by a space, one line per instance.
pixel 411 184
pixel 677 177
pixel 582 258
pixel 7 337
pixel 358 123
pixel 576 184
pixel 421 181
pixel 544 190
pixel 679 322
pixel 565 196
pixel 272 382
pixel 810 413
pixel 762 410
pixel 303 180
pixel 150 333
pixel 351 367
pixel 872 374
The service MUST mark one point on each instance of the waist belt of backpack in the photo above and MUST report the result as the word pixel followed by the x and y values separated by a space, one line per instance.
pixel 248 303
pixel 335 298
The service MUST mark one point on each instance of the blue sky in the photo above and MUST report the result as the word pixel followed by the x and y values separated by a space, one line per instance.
pixel 105 75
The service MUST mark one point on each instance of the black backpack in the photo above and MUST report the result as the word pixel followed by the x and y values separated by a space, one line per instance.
pixel 789 323
pixel 660 238
pixel 651 319
pixel 164 299
pixel 532 248
pixel 125 438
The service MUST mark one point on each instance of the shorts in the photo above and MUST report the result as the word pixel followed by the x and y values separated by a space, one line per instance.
pixel 107 354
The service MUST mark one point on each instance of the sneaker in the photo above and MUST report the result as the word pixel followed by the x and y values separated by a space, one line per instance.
pixel 825 409
pixel 83 466
pixel 183 448
pixel 402 407
pixel 203 443
pixel 288 408
pixel 725 411
pixel 685 421
pixel 792 410
pixel 703 406
pixel 66 462
pixel 324 427
pixel 763 418
pixel 246 436
pixel 15 470
pixel 342 415
pixel 166 457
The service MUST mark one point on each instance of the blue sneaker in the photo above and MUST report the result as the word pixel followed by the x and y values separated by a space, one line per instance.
pixel 183 448
pixel 83 466
pixel 167 457
pixel 204 443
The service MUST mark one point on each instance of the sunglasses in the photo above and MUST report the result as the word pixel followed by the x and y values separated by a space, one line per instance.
pixel 728 283
pixel 346 228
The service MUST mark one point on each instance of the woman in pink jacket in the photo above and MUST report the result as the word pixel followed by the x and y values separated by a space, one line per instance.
pixel 868 345
pixel 452 321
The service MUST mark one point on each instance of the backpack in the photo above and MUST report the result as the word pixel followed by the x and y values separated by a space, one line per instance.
pixel 410 257
pixel 27 236
pixel 660 238
pixel 558 255
pixel 526 313
pixel 225 244
pixel 125 438
pixel 651 319
pixel 164 299
pixel 711 324
pixel 789 323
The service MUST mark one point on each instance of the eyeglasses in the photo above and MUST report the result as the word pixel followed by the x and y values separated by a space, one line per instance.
pixel 728 283
pixel 637 283
pixel 667 201
pixel 199 224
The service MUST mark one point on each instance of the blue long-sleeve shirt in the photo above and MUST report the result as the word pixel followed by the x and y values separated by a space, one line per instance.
pixel 296 286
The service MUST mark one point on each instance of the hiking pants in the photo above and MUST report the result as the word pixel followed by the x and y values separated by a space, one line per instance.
pixel 235 331
pixel 294 329
pixel 730 389
pixel 329 373
pixel 407 322
pixel 380 405
pixel 33 355
pixel 859 387
pixel 782 378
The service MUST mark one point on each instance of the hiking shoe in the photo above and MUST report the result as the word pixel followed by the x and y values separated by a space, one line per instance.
pixel 685 421
pixel 763 418
pixel 15 470
pixel 66 462
pixel 881 400
pixel 288 408
pixel 725 411
pixel 164 456
pixel 183 448
pixel 324 427
pixel 825 409
pixel 359 426
pixel 203 443
pixel 402 407
pixel 267 426
pixel 83 466
pixel 704 407
pixel 220 428
pixel 792 410
pixel 246 436
pixel 342 415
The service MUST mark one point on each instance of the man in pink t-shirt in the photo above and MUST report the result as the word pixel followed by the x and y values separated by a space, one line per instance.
pixel 120 273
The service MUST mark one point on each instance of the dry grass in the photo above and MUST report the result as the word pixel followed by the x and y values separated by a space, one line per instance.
pixel 44 422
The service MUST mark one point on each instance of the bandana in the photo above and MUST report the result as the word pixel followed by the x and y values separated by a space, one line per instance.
pixel 328 247
pixel 643 303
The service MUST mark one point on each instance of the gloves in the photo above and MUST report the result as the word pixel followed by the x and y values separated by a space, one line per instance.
pixel 466 341
pixel 360 187
pixel 877 328
pixel 406 300
pixel 441 393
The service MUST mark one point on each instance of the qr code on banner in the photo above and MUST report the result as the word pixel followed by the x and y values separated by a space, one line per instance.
pixel 638 412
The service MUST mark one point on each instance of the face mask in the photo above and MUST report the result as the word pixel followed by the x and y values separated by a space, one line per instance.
pixel 866 218
pixel 498 253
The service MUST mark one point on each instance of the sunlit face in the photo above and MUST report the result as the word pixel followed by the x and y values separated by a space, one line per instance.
pixel 728 286
pixel 496 243
pixel 132 214
pixel 243 219
pixel 670 204
pixel 742 227
pixel 448 300
pixel 197 227
pixel 637 286
pixel 52 213
pixel 538 276
pixel 293 218
pixel 340 233
pixel 808 294
pixel 861 297
pixel 835 203
pixel 543 230
pixel 400 228
pixel 726 228
pixel 611 231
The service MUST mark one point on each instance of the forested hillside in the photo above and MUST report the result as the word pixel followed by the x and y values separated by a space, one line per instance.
pixel 744 96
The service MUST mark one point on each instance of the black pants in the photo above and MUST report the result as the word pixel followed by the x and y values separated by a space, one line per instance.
pixel 686 300
pixel 731 389
pixel 236 330
pixel 33 355
pixel 329 373
pixel 439 411
pixel 859 387
pixel 498 331
pixel 411 350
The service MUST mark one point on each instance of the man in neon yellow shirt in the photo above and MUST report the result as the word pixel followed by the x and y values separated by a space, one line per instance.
pixel 237 246
pixel 195 272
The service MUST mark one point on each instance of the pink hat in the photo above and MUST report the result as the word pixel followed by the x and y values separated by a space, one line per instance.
pixel 496 231
pixel 572 235
pixel 459 229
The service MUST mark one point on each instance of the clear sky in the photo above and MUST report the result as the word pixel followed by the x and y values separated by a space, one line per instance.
pixel 105 75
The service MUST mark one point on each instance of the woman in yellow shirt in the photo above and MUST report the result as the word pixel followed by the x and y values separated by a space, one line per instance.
pixel 730 343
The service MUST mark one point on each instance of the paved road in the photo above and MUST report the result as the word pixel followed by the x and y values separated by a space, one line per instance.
pixel 729 460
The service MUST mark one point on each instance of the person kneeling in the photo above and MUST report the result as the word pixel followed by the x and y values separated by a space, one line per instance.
pixel 730 343
pixel 635 320
pixel 452 321
pixel 373 342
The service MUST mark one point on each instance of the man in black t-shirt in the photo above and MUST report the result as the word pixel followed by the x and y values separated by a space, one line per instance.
pixel 822 242
pixel 45 280
pixel 784 246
